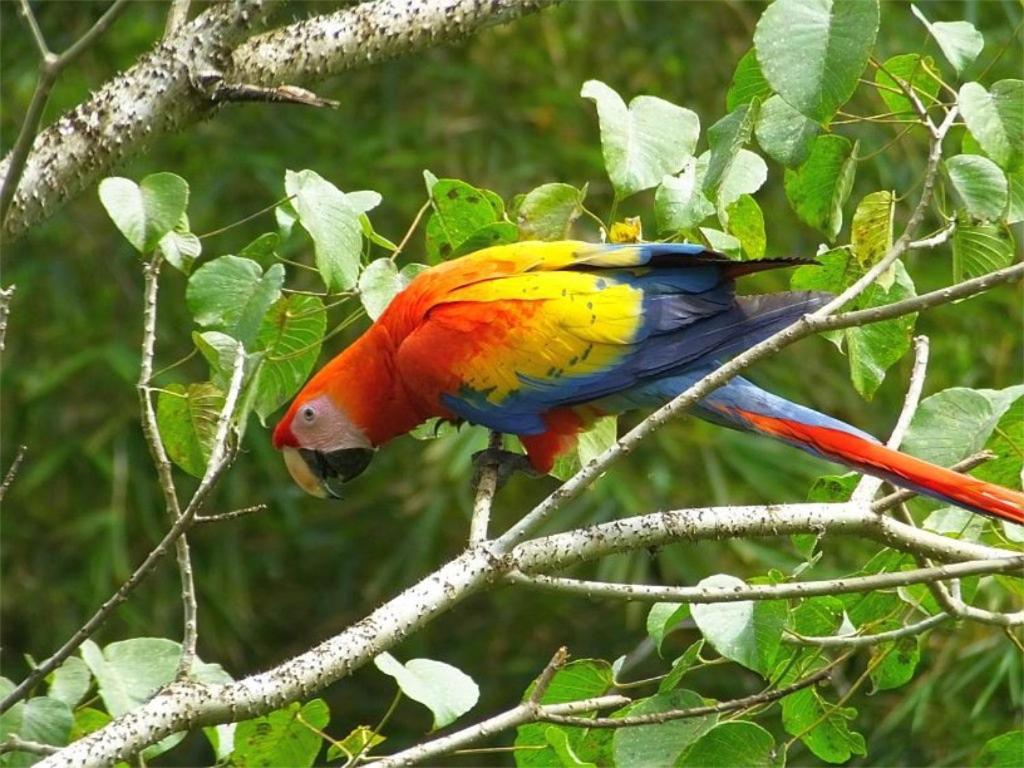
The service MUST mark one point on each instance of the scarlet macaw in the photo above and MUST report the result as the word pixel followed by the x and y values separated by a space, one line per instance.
pixel 539 339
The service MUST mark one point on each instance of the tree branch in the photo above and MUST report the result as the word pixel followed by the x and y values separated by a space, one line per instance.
pixel 487 486
pixel 651 593
pixel 162 93
pixel 15 743
pixel 863 641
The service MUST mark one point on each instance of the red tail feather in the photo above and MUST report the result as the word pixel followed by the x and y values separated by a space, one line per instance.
pixel 874 459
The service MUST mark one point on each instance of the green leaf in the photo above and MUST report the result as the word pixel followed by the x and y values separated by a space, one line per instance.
pixel 70 681
pixel 187 419
pixel 558 739
pixel 681 666
pixel 996 119
pixel 979 249
pixel 721 241
pixel 726 138
pixel 284 737
pixel 732 744
pixel 980 184
pixel 590 444
pixel 1007 443
pixel 547 212
pixel 871 228
pixel 813 51
pixel 894 663
pixel 378 285
pixel 643 746
pixel 746 223
pixel 290 337
pixel 1015 210
pixel 829 488
pixel 464 219
pixel 817 617
pixel 232 294
pixel 577 680
pixel 679 202
pixel 748 632
pixel 361 740
pixel 1002 752
pixel 129 672
pixel 87 720
pixel 745 176
pixel 874 348
pixel 748 83
pixel 957 422
pixel 784 134
pixel 219 351
pixel 957 522
pixel 663 618
pixel 262 248
pixel 819 188
pixel 959 40
pixel 445 690
pixel 41 719
pixel 643 142
pixel 145 212
pixel 918 73
pixel 332 220
pixel 822 726
pixel 180 247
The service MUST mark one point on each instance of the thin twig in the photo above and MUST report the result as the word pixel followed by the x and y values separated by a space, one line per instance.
pixel 940 237
pixel 485 490
pixel 6 297
pixel 12 472
pixel 765 697
pixel 548 674
pixel 412 227
pixel 15 743
pixel 232 515
pixel 869 485
pixel 656 593
pixel 861 641
pixel 50 67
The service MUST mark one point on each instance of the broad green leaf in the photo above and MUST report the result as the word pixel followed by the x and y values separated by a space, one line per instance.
pixel 818 189
pixel 445 690
pixel 959 41
pixel 980 185
pixel 662 619
pixel 1015 210
pixel 378 285
pixel 1007 443
pixel 957 522
pixel 996 119
pixel 262 248
pixel 748 632
pixel 464 219
pixel 874 348
pixel 219 350
pixel 817 616
pixel 784 134
pixel 918 73
pixel 813 51
pixel 748 83
pixel 680 203
pixel 681 666
pixel 1002 752
pixel 147 211
pixel 129 672
pixel 643 142
pixel 643 746
pixel 829 488
pixel 180 247
pixel 232 294
pixel 822 726
pixel 871 228
pixel 590 444
pixel 363 200
pixel 87 720
pixel 187 418
pixel 732 744
pixel 70 681
pixel 361 740
pixel 577 680
pixel 290 337
pixel 745 176
pixel 726 138
pixel 722 242
pixel 332 220
pixel 894 662
pixel 547 212
pixel 285 216
pixel 558 739
pixel 282 738
pixel 957 422
pixel 979 249
pixel 746 223
pixel 40 719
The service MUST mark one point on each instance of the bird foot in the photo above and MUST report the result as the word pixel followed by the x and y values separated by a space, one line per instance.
pixel 507 463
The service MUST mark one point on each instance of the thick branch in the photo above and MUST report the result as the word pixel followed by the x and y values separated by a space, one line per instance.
pixel 162 93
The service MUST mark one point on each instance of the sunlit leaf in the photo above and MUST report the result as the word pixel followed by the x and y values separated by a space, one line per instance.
pixel 290 338
pixel 980 185
pixel 871 228
pixel 187 417
pixel 644 141
pixel 547 212
pixel 680 203
pixel 996 119
pixel 726 138
pixel 180 247
pixel 70 681
pixel 979 249
pixel 643 746
pixel 232 294
pixel 917 73
pixel 819 188
pixel 332 220
pixel 746 223
pixel 284 737
pixel 1002 752
pixel 783 133
pixel 360 741
pixel 147 211
pixel 822 726
pixel 748 83
pixel 445 690
pixel 662 618
pixel 959 40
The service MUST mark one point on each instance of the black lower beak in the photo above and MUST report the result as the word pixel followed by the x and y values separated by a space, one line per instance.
pixel 336 467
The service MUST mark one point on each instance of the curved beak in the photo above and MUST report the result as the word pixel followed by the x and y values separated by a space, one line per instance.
pixel 320 473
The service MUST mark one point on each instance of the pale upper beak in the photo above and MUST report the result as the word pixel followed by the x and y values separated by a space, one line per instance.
pixel 319 473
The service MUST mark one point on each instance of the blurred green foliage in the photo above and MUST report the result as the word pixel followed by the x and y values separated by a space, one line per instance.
pixel 503 112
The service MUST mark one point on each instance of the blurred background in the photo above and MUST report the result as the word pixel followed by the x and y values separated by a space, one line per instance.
pixel 501 111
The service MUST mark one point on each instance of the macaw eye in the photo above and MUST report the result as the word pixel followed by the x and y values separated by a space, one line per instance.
pixel 308 414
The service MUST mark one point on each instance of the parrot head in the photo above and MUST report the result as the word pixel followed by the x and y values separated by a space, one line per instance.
pixel 322 446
